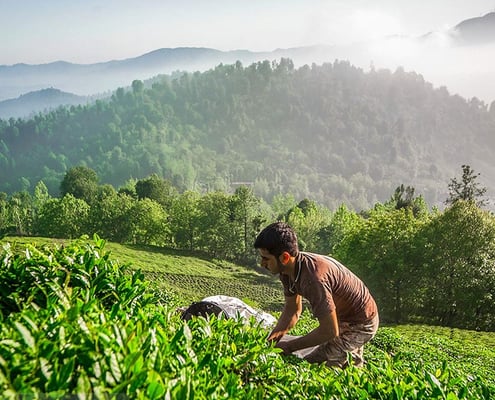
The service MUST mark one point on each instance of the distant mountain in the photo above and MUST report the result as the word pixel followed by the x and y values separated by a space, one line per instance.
pixel 475 31
pixel 38 101
pixel 88 79
pixel 449 59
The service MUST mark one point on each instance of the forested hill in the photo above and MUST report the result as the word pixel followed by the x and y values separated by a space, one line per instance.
pixel 332 133
pixel 41 100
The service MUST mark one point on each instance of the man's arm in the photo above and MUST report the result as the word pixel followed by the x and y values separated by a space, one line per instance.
pixel 290 315
pixel 327 329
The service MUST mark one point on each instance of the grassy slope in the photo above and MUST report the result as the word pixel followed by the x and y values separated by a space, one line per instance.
pixel 192 277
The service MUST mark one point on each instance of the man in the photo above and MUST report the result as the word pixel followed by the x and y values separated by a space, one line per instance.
pixel 346 311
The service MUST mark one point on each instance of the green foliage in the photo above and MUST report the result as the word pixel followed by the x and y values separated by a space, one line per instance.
pixel 383 254
pixel 458 252
pixel 157 189
pixel 38 277
pixel 308 219
pixel 86 328
pixel 248 220
pixel 148 223
pixel 67 217
pixel 66 314
pixel 331 132
pixel 184 220
pixel 17 213
pixel 190 275
pixel 111 217
pixel 416 263
pixel 470 353
pixel 436 268
pixel 214 219
pixel 403 197
pixel 81 182
pixel 331 237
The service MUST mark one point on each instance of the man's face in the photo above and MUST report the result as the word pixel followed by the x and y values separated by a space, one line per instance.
pixel 270 262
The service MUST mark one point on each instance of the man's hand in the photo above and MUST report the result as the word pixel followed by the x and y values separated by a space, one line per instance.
pixel 275 336
pixel 285 346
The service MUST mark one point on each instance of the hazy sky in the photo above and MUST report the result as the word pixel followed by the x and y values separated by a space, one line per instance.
pixel 88 31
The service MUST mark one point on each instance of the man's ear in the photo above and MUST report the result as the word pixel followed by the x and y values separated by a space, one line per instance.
pixel 284 258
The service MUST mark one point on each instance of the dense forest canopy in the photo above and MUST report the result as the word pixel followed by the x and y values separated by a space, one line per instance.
pixel 329 132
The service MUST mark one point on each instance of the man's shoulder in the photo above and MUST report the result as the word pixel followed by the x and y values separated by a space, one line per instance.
pixel 318 258
pixel 310 256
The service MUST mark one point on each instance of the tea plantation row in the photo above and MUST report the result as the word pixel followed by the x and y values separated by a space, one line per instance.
pixel 75 321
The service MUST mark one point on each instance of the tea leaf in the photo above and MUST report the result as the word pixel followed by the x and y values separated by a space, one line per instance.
pixel 46 368
pixel 83 387
pixel 65 373
pixel 26 335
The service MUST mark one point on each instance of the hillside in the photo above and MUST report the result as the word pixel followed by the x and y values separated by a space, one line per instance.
pixel 43 100
pixel 332 133
pixel 78 323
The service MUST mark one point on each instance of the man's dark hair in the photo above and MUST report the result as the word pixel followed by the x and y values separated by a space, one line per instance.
pixel 277 238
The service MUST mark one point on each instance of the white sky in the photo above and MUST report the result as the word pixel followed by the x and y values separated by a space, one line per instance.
pixel 88 31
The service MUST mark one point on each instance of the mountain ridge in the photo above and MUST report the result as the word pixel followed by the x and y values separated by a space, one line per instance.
pixel 90 79
pixel 107 76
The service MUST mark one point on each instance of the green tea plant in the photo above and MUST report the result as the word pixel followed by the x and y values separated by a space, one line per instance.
pixel 64 311
pixel 74 322
pixel 471 352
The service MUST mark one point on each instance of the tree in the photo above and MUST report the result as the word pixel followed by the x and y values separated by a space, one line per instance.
pixel 129 188
pixel 184 216
pixel 157 189
pixel 20 213
pixel 282 204
pixel 81 182
pixel 4 216
pixel 331 237
pixel 111 217
pixel 215 227
pixel 459 267
pixel 246 216
pixel 149 223
pixel 382 251
pixel 40 197
pixel 63 218
pixel 403 197
pixel 467 188
pixel 308 219
pixel 137 86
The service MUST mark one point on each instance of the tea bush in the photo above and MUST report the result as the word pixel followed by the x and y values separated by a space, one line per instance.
pixel 76 323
